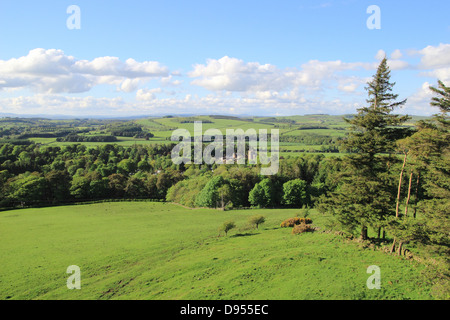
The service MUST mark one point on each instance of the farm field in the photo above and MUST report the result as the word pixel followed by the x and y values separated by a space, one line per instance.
pixel 152 250
pixel 298 134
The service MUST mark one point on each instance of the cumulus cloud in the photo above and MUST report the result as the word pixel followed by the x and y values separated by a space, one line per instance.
pixel 393 61
pixel 436 60
pixel 419 101
pixel 234 85
pixel 397 54
pixel 114 67
pixel 435 57
pixel 147 94
pixel 129 85
pixel 52 71
pixel 235 75
pixel 381 54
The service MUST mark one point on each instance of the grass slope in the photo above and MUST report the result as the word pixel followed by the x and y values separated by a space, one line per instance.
pixel 144 250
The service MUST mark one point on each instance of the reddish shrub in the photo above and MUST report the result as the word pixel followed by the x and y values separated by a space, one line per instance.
pixel 301 228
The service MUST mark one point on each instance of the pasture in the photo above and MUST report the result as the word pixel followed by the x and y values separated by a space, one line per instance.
pixel 148 250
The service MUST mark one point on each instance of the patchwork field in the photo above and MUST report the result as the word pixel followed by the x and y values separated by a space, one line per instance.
pixel 298 134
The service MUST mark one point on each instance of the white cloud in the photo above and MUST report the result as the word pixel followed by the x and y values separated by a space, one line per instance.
pixel 435 57
pixel 397 54
pixel 380 55
pixel 436 60
pixel 234 85
pixel 168 81
pixel 234 75
pixel 147 94
pixel 113 66
pixel 394 61
pixel 51 71
pixel 419 101
pixel 398 64
pixel 351 87
pixel 129 85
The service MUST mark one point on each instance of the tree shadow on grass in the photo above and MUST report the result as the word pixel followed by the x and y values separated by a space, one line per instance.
pixel 248 234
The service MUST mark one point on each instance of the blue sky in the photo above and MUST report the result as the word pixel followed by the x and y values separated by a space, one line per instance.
pixel 226 57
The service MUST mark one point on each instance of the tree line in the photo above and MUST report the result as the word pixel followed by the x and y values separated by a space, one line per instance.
pixel 298 183
pixel 36 174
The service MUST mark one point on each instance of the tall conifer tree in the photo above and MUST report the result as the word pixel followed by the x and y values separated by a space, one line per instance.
pixel 365 196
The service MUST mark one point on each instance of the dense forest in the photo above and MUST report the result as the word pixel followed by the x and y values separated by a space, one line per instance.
pixel 33 174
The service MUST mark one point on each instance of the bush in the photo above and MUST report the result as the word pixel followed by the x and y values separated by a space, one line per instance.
pixel 301 228
pixel 256 220
pixel 291 222
pixel 227 226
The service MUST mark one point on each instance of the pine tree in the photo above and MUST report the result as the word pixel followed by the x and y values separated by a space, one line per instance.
pixel 429 149
pixel 435 210
pixel 442 101
pixel 375 127
pixel 364 197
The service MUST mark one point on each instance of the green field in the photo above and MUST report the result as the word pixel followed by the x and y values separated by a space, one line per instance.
pixel 148 250
pixel 308 127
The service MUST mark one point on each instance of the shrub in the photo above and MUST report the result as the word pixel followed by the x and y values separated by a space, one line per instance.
pixel 256 220
pixel 227 226
pixel 289 223
pixel 301 228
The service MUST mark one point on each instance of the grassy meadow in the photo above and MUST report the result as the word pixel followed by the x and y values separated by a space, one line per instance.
pixel 151 250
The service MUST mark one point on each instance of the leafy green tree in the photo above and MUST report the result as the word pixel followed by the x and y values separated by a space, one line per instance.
pixel 135 188
pixel 165 180
pixel 225 196
pixel 295 193
pixel 243 180
pixel 117 183
pixel 99 189
pixel 25 159
pixel 150 186
pixel 127 166
pixel 144 165
pixel 79 188
pixel 262 194
pixel 186 191
pixel 209 196
pixel 27 188
pixel 59 183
